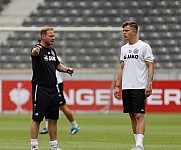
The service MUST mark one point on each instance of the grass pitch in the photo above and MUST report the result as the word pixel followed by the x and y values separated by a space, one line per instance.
pixel 98 132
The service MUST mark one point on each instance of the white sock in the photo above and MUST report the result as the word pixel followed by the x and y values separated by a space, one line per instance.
pixel 135 137
pixel 140 138
pixel 46 124
pixel 53 143
pixel 34 142
pixel 74 124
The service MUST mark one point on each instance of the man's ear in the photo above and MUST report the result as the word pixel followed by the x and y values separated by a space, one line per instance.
pixel 43 36
pixel 135 31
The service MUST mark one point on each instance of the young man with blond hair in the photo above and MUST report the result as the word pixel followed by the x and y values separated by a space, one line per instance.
pixel 135 76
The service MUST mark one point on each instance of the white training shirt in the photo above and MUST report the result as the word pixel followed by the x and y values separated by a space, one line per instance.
pixel 135 71
pixel 58 74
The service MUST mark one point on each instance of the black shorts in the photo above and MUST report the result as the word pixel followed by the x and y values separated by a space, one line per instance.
pixel 45 103
pixel 134 101
pixel 61 95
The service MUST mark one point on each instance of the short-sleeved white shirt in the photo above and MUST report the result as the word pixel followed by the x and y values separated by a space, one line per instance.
pixel 58 74
pixel 135 71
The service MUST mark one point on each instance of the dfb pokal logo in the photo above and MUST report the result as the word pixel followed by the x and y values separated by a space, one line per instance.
pixel 19 96
pixel 16 96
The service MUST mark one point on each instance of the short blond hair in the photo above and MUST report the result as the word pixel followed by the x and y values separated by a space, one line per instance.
pixel 44 30
pixel 131 24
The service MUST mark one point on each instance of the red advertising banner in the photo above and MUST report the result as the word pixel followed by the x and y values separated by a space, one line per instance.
pixel 91 95
pixel 166 97
pixel 16 96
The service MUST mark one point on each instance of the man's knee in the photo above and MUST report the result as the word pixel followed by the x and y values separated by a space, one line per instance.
pixel 139 116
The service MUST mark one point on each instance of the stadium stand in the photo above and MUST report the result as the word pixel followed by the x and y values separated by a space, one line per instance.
pixel 3 3
pixel 159 26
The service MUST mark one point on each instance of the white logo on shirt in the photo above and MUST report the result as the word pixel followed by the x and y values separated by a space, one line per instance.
pixel 49 58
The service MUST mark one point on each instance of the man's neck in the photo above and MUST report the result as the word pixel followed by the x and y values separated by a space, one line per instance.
pixel 45 45
pixel 133 41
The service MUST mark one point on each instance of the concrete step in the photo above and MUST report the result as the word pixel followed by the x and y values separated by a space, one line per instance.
pixel 16 11
pixel 14 14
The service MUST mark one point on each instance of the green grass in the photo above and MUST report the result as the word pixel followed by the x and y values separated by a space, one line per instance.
pixel 98 132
